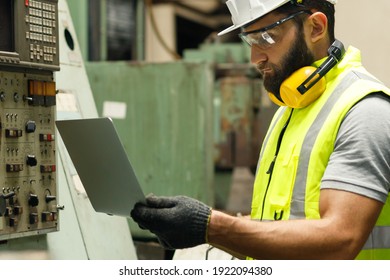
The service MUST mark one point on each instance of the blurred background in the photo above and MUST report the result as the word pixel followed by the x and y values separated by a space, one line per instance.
pixel 196 110
pixel 189 108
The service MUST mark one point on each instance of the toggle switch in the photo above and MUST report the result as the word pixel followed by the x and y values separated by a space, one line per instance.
pixel 18 210
pixel 49 198
pixel 8 211
pixel 2 96
pixel 33 218
pixel 13 221
pixel 48 216
pixel 13 133
pixel 14 167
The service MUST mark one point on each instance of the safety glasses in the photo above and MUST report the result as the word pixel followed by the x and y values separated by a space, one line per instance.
pixel 267 36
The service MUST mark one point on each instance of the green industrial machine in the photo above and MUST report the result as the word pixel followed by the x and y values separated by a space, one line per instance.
pixel 166 125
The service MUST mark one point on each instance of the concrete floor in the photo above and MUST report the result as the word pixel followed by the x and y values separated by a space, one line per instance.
pixel 240 196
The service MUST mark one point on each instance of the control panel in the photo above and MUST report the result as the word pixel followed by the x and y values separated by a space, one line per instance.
pixel 28 61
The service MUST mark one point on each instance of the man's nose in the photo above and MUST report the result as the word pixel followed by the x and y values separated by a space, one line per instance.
pixel 257 55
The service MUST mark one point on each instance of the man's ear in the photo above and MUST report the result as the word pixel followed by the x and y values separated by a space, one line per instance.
pixel 318 24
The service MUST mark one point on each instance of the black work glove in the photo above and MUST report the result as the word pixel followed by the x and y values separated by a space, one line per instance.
pixel 179 222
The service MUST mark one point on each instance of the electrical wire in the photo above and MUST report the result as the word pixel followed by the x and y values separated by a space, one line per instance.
pixel 173 53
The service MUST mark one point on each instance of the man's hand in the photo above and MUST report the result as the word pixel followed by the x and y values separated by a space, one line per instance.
pixel 179 222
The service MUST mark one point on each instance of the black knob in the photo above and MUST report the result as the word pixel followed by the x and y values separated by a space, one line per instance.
pixel 30 126
pixel 31 160
pixel 33 200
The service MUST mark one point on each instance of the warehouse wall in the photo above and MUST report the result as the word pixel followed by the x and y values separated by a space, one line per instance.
pixel 360 23
pixel 364 24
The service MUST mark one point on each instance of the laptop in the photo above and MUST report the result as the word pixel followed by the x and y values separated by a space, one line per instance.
pixel 102 164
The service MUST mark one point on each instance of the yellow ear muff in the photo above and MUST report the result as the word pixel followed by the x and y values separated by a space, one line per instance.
pixel 275 100
pixel 305 85
pixel 292 97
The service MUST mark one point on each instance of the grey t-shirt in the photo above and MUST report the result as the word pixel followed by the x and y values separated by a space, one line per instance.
pixel 360 162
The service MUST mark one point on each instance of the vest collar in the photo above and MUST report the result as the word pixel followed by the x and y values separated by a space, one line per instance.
pixel 352 58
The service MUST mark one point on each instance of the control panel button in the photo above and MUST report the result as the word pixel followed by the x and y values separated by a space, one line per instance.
pixel 31 160
pixel 31 126
pixel 33 218
pixel 33 200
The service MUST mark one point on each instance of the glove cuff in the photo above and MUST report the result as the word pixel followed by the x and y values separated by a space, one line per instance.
pixel 200 224
pixel 207 226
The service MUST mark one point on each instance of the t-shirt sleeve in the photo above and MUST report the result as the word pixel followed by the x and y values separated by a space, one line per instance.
pixel 360 162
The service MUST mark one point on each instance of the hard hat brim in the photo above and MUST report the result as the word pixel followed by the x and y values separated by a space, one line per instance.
pixel 227 30
pixel 234 27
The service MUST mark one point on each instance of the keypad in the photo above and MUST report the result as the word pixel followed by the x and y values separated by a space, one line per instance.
pixel 41 32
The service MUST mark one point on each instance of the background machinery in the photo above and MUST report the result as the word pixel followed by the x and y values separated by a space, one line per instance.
pixel 44 212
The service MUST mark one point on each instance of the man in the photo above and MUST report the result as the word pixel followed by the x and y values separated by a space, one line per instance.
pixel 324 169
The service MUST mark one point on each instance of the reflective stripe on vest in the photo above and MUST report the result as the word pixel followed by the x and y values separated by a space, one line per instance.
pixel 298 209
pixel 381 235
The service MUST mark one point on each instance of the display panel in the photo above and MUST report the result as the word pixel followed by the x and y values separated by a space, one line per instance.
pixel 7 43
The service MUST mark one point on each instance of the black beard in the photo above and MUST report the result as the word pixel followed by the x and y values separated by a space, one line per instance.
pixel 299 56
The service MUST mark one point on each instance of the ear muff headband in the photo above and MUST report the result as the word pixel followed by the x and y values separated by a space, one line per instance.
pixel 297 94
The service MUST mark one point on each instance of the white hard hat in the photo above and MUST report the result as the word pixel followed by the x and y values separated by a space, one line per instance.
pixel 245 11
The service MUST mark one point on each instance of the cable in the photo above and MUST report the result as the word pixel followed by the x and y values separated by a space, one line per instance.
pixel 149 4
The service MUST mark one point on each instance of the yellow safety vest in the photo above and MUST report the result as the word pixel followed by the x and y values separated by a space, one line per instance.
pixel 287 183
